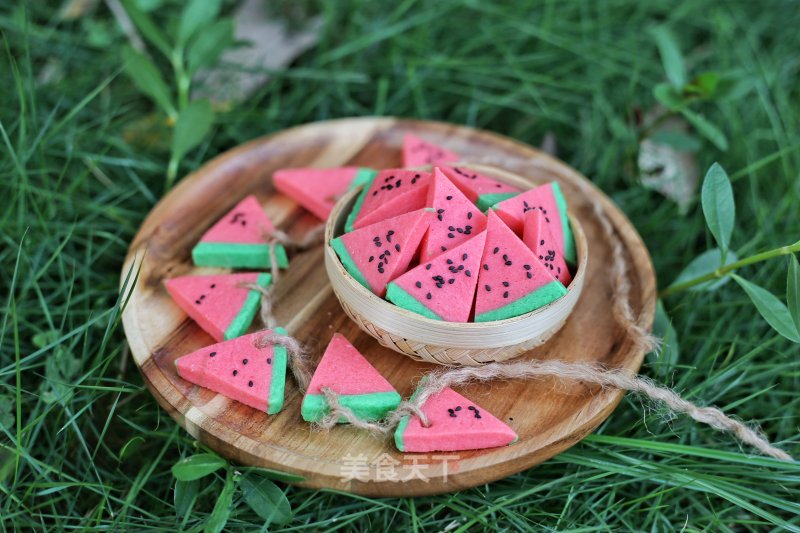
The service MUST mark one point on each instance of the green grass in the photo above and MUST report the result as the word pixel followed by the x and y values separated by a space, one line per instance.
pixel 83 445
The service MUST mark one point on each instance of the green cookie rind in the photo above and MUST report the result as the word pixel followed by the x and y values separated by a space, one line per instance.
pixel 364 177
pixel 485 201
pixel 237 255
pixel 371 406
pixel 248 311
pixel 351 218
pixel 401 298
pixel 569 239
pixel 278 384
pixel 350 265
pixel 538 298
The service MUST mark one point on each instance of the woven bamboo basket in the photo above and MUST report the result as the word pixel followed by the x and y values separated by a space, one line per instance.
pixel 448 343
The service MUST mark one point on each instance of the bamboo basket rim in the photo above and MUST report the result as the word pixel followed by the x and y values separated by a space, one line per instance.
pixel 428 328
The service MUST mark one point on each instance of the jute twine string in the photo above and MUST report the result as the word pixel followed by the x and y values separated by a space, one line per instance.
pixel 297 355
pixel 622 379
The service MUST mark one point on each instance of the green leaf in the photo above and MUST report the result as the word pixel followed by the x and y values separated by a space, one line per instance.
pixel 668 96
pixel 704 85
pixel 192 126
pixel 266 499
pixel 671 56
pixel 196 14
pixel 197 466
pixel 147 27
pixel 184 496
pixel 718 205
pixel 222 508
pixel 771 308
pixel 706 129
pixel 667 355
pixel 703 264
pixel 130 447
pixel 146 77
pixel 793 290
pixel 209 45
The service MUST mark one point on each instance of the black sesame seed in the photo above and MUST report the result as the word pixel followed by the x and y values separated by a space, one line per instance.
pixel 390 232
pixel 371 259
pixel 449 197
pixel 486 266
pixel 451 228
pixel 212 354
pixel 380 265
pixel 439 285
pixel 460 230
pixel 508 263
pixel 450 235
pixel 471 407
pixel 213 285
pixel 440 211
pixel 449 261
pixel 451 281
pixel 428 266
pixel 505 257
pixel 198 302
pixel 505 284
pixel 380 271
pixel 460 267
pixel 505 294
pixel 469 215
pixel 397 247
pixel 418 284
pixel 439 217
pixel 464 257
pixel 244 361
pixel 249 383
pixel 444 248
pixel 529 275
pixel 541 242
pixel 428 296
pixel 458 408
pixel 453 415
pixel 496 249
pixel 526 267
pixel 468 274
pixel 488 288
pixel 235 372
pixel 269 360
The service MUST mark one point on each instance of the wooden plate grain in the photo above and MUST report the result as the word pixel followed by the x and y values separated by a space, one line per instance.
pixel 549 416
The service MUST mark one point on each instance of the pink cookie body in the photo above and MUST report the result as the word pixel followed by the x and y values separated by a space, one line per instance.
pixel 359 386
pixel 512 280
pixel 392 192
pixel 444 287
pixel 316 189
pixel 455 424
pixel 377 254
pixel 220 304
pixel 245 223
pixel 457 219
pixel 418 152
pixel 240 370
pixel 537 236
pixel 479 188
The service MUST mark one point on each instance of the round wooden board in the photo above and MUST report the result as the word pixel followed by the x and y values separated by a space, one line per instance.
pixel 548 416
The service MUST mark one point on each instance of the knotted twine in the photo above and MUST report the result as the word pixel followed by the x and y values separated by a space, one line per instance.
pixel 590 373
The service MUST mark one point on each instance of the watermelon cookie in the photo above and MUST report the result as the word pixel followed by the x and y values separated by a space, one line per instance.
pixel 317 189
pixel 239 240
pixel 220 304
pixel 550 201
pixel 418 152
pixel 443 288
pixel 377 254
pixel 392 192
pixel 455 424
pixel 240 370
pixel 482 190
pixel 512 280
pixel 359 386
pixel 537 235
pixel 457 219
